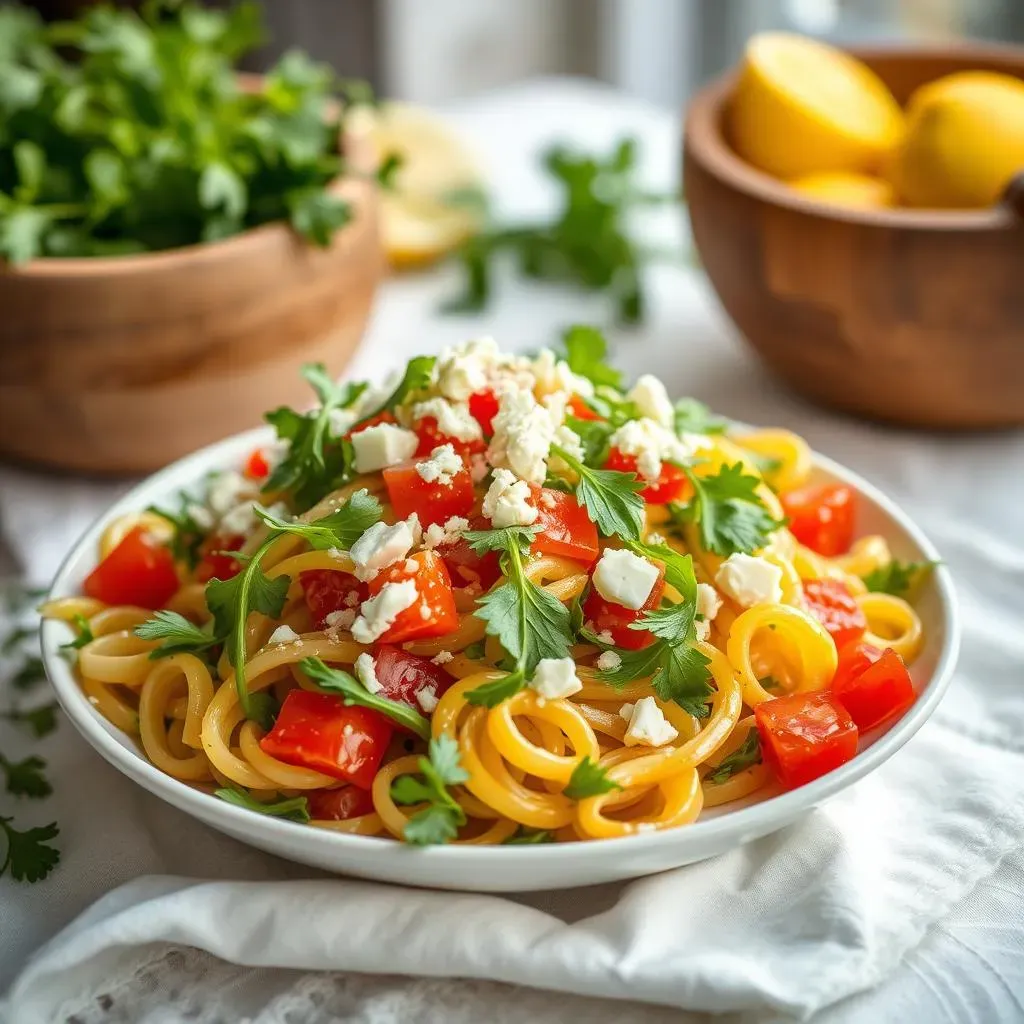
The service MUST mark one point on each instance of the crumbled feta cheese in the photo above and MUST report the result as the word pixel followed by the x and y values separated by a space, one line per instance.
pixel 240 520
pixel 411 565
pixel 383 445
pixel 341 421
pixel 283 635
pixel 625 578
pixel 226 491
pixel 750 580
pixel 380 546
pixel 648 394
pixel 341 619
pixel 556 677
pixel 626 712
pixel 366 671
pixel 200 515
pixel 465 369
pixel 427 700
pixel 708 602
pixel 442 467
pixel 553 374
pixel 437 534
pixel 478 467
pixel 523 432
pixel 648 725
pixel 547 499
pixel 703 630
pixel 352 599
pixel 377 614
pixel 442 658
pixel 652 444
pixel 656 539
pixel 452 420
pixel 605 636
pixel 507 501
pixel 609 661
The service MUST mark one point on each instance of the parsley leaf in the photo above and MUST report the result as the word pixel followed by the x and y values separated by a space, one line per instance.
pixel 177 633
pixel 340 682
pixel 340 529
pixel 30 674
pixel 585 352
pixel 440 820
pixel 693 417
pixel 29 858
pixel 25 777
pixel 83 635
pixel 897 578
pixel 17 636
pixel 612 499
pixel 525 837
pixel 729 512
pixel 295 808
pixel 588 779
pixel 746 755
pixel 419 372
pixel 40 721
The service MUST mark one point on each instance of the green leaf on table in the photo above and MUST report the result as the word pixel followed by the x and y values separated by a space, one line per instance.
pixel 25 777
pixel 30 857
pixel 39 721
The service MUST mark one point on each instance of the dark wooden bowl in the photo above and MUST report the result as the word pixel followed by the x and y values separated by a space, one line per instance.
pixel 908 316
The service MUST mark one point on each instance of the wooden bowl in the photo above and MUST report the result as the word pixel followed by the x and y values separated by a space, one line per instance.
pixel 121 365
pixel 909 316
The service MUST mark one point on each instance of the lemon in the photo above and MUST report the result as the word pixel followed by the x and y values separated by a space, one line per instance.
pixel 429 211
pixel 846 188
pixel 964 141
pixel 802 106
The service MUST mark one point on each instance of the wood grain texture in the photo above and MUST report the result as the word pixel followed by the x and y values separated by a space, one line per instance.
pixel 908 316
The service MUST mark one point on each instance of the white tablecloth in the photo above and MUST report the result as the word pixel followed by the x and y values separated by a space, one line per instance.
pixel 907 890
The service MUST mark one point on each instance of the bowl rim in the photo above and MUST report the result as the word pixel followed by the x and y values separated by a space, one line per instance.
pixel 704 141
pixel 755 819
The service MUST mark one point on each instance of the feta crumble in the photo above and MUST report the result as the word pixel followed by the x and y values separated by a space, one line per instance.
pixel 442 467
pixel 555 677
pixel 437 534
pixel 341 619
pixel 453 420
pixel 648 394
pixel 523 432
pixel 380 546
pixel 647 724
pixel 609 661
pixel 507 502
pixel 442 658
pixel 750 580
pixel 226 491
pixel 377 614
pixel 709 604
pixel 625 578
pixel 366 672
pixel 283 635
pixel 651 444
pixel 553 374
pixel 383 445
pixel 427 700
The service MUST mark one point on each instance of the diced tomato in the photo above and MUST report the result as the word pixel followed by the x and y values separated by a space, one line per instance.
pixel 213 565
pixel 615 618
pixel 433 613
pixel 257 467
pixel 373 421
pixel 140 570
pixel 402 676
pixel 330 590
pixel 874 686
pixel 432 502
pixel 579 408
pixel 431 437
pixel 564 528
pixel 671 485
pixel 339 804
pixel 821 518
pixel 483 407
pixel 804 736
pixel 832 604
pixel 465 566
pixel 317 731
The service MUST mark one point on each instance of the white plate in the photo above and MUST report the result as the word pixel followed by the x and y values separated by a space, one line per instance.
pixel 508 868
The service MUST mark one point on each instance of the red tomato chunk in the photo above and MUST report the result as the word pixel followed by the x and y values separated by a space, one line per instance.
pixel 432 502
pixel 214 564
pixel 257 467
pixel 805 736
pixel 483 407
pixel 339 804
pixel 140 570
pixel 821 518
pixel 607 616
pixel 330 590
pixel 564 528
pixel 466 567
pixel 431 437
pixel 404 676
pixel 874 686
pixel 434 612
pixel 832 604
pixel 317 731
pixel 671 485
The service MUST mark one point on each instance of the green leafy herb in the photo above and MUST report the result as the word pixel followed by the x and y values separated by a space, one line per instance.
pixel 337 681
pixel 83 634
pixel 588 779
pixel 612 499
pixel 529 622
pixel 29 858
pixel 746 755
pixel 897 578
pixel 693 417
pixel 475 651
pixel 417 376
pixel 586 351
pixel 440 820
pixel 529 837
pixel 729 512
pixel 17 636
pixel 188 535
pixel 295 808
pixel 29 675
pixel 40 721
pixel 177 633
pixel 25 777
pixel 340 529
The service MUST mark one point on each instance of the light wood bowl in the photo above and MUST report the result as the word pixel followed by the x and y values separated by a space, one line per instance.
pixel 121 365
pixel 908 316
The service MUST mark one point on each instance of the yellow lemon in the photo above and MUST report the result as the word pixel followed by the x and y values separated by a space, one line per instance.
pixel 964 141
pixel 845 188
pixel 801 106
pixel 435 202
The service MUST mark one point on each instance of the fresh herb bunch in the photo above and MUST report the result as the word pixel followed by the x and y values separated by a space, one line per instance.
pixel 124 132
pixel 586 244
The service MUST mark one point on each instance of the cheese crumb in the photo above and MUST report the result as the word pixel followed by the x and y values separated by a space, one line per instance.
pixel 605 636
pixel 750 580
pixel 709 604
pixel 453 420
pixel 366 672
pixel 380 546
pixel 341 619
pixel 442 658
pixel 283 635
pixel 648 394
pixel 609 661
pixel 625 578
pixel 648 725
pixel 437 535
pixel 442 467
pixel 651 444
pixel 383 445
pixel 377 614
pixel 427 700
pixel 507 502
pixel 465 369
pixel 523 432
pixel 555 677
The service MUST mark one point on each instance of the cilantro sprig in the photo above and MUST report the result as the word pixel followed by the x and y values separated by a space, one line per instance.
pixel 187 535
pixel 897 578
pixel 529 622
pixel 440 820
pixel 589 779
pixel 294 808
pixel 746 755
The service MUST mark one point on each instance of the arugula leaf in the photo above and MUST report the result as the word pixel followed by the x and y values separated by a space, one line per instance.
pixel 419 372
pixel 693 417
pixel 25 777
pixel 29 675
pixel 612 499
pixel 178 635
pixel 438 822
pixel 188 535
pixel 746 755
pixel 83 635
pixel 529 622
pixel 527 837
pixel 294 808
pixel 336 680
pixel 40 721
pixel 728 510
pixel 588 779
pixel 340 529
pixel 897 578
pixel 29 858
pixel 585 351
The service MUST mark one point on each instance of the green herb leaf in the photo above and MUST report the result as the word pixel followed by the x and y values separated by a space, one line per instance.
pixel 25 777
pixel 746 755
pixel 294 808
pixel 612 499
pixel 419 372
pixel 897 578
pixel 17 636
pixel 40 721
pixel 438 822
pixel 340 529
pixel 529 837
pixel 177 633
pixel 29 858
pixel 188 535
pixel 30 674
pixel 83 634
pixel 586 351
pixel 588 779
pixel 693 417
